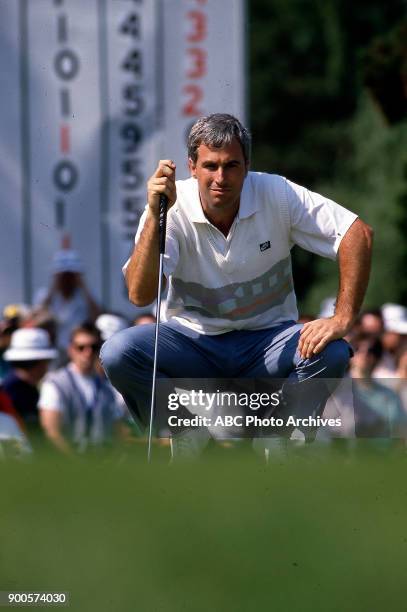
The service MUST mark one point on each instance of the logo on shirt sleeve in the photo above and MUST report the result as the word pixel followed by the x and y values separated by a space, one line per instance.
pixel 264 246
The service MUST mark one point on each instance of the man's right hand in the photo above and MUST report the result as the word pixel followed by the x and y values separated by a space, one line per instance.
pixel 142 271
pixel 162 182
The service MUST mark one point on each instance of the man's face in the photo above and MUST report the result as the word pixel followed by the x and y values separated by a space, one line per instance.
pixel 371 324
pixel 364 360
pixel 220 173
pixel 83 351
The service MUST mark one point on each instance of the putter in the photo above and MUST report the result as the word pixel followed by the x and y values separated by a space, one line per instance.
pixel 161 240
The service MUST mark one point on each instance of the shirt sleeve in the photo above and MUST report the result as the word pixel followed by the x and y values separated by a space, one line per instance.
pixel 317 223
pixel 50 398
pixel 171 245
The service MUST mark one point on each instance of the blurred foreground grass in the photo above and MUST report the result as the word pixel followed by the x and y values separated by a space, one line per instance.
pixel 230 533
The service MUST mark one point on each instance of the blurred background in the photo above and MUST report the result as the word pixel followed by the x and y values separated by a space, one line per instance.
pixel 328 101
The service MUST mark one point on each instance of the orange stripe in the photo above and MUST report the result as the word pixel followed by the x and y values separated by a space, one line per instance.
pixel 64 139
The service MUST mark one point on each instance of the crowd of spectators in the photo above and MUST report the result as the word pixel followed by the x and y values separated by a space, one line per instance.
pixel 54 390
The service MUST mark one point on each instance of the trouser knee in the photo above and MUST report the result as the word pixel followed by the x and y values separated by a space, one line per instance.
pixel 112 358
pixel 336 357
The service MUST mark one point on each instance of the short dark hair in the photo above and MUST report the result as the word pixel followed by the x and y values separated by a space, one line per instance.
pixel 88 327
pixel 375 312
pixel 218 130
pixel 374 345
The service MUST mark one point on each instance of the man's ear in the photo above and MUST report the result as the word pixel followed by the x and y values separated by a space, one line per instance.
pixel 247 168
pixel 192 167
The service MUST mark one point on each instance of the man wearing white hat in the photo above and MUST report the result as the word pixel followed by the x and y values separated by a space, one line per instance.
pixel 68 298
pixel 394 337
pixel 29 354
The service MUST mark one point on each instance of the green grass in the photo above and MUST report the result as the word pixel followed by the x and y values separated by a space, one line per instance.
pixel 322 532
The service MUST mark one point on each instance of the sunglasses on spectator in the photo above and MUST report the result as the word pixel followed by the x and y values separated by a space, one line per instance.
pixel 367 350
pixel 94 346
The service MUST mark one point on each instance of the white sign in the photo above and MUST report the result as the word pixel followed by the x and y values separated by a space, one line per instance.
pixel 93 94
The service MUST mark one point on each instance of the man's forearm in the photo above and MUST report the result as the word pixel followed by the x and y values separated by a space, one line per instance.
pixel 355 252
pixel 51 425
pixel 354 259
pixel 142 271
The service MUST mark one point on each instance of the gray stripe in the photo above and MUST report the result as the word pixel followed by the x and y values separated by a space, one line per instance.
pixel 236 301
pixel 62 29
pixel 65 100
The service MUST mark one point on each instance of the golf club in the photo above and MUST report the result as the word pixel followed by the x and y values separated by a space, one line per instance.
pixel 161 241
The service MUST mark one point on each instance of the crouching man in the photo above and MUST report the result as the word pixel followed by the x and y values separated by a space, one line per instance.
pixel 231 309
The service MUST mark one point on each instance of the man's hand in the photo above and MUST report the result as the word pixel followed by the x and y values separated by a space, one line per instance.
pixel 162 182
pixel 315 335
pixel 142 271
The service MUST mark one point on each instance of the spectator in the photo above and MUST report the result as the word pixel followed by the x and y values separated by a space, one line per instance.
pixel 378 409
pixel 371 322
pixel 43 319
pixel 13 440
pixel 13 316
pixel 327 308
pixel 68 297
pixel 77 405
pixel 399 384
pixel 109 324
pixel 6 407
pixel 5 336
pixel 395 333
pixel 29 354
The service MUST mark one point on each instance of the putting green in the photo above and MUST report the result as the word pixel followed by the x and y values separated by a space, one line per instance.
pixel 323 531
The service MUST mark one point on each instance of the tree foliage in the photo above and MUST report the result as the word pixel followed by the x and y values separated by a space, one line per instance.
pixel 312 64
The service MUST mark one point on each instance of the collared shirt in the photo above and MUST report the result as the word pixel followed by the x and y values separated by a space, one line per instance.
pixel 87 403
pixel 244 280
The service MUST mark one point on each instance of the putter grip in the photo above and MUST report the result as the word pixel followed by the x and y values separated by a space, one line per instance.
pixel 163 222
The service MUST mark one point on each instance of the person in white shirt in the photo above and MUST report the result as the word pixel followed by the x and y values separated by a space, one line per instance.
pixel 231 308
pixel 77 405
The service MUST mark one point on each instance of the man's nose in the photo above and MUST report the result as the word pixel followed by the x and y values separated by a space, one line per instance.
pixel 220 175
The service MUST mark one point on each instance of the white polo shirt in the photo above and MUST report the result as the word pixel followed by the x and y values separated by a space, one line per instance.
pixel 244 281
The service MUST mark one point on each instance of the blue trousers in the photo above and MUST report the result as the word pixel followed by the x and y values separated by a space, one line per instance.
pixel 127 358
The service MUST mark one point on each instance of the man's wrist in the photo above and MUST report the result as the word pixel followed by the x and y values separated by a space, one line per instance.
pixel 153 213
pixel 346 320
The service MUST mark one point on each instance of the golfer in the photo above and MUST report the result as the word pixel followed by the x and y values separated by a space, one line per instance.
pixel 231 307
